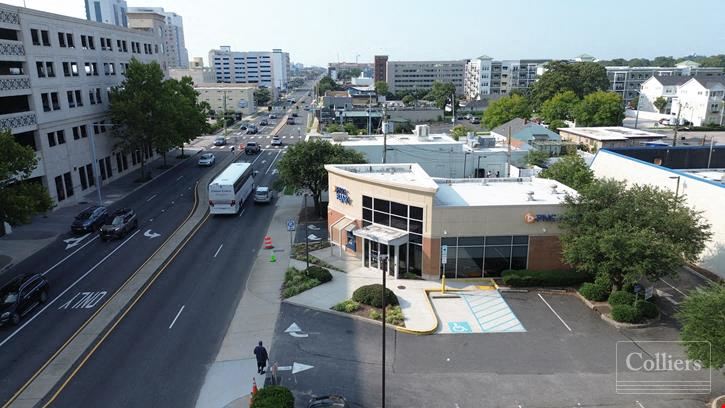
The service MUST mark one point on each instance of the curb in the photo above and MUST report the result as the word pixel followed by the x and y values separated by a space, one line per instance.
pixel 343 314
pixel 620 325
pixel 716 404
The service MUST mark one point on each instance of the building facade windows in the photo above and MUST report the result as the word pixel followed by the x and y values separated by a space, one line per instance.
pixel 484 256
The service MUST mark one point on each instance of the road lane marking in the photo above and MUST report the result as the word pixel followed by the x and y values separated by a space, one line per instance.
pixel 242 212
pixel 217 251
pixel 177 316
pixel 69 255
pixel 151 198
pixel 678 291
pixel 66 290
pixel 639 404
pixel 179 178
pixel 554 311
pixel 272 162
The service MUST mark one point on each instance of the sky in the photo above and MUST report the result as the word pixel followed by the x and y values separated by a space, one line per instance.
pixel 316 32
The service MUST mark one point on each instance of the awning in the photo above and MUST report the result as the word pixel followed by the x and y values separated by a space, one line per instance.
pixel 382 234
pixel 350 227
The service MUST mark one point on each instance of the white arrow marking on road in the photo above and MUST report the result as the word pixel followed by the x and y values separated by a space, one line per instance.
pixel 150 234
pixel 74 241
pixel 295 331
pixel 295 368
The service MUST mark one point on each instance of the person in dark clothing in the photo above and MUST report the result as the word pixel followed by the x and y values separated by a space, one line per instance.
pixel 261 353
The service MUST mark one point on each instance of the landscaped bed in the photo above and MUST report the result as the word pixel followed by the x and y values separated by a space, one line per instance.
pixel 367 302
pixel 297 281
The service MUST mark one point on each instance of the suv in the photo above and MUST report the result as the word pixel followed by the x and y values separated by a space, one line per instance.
pixel 206 159
pixel 263 122
pixel 20 296
pixel 89 219
pixel 263 195
pixel 121 222
pixel 251 129
pixel 290 120
pixel 252 148
pixel 272 116
pixel 220 141
pixel 276 141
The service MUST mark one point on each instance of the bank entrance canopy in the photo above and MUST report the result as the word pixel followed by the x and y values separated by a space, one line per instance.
pixel 382 235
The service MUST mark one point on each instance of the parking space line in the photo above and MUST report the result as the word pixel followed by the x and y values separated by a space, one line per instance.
pixel 678 291
pixel 217 251
pixel 492 313
pixel 554 311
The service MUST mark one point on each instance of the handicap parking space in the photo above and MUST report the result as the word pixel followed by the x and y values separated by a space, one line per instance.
pixel 483 311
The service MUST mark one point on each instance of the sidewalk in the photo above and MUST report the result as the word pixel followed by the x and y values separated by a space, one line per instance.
pixel 228 382
pixel 44 229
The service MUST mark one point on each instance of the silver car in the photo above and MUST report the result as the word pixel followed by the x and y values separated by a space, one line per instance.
pixel 263 195
pixel 207 159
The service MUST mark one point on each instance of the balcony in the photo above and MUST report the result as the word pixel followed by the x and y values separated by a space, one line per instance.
pixel 9 17
pixel 14 85
pixel 10 49
pixel 19 122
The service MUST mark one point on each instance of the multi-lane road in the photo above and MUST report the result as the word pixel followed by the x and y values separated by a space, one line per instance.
pixel 159 352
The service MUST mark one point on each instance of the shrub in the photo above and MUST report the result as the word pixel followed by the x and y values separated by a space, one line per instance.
pixel 621 297
pixel 625 314
pixel 594 291
pixel 273 396
pixel 645 309
pixel 319 273
pixel 375 315
pixel 347 306
pixel 372 295
pixel 526 277
pixel 296 282
pixel 394 315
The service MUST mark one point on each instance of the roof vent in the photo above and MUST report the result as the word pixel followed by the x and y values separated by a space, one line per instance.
pixel 553 189
pixel 530 195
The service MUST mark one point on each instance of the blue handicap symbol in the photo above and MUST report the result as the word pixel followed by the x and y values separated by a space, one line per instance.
pixel 459 327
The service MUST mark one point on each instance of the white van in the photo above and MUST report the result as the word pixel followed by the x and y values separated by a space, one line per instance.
pixel 263 195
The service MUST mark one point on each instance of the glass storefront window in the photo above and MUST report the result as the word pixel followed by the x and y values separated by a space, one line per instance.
pixel 449 241
pixel 415 263
pixel 518 256
pixel 367 215
pixel 399 223
pixel 367 202
pixel 415 238
pixel 498 240
pixel 470 262
pixel 403 258
pixel 450 266
pixel 498 259
pixel 416 226
pixel 470 241
pixel 416 213
pixel 521 239
pixel 399 209
pixel 381 205
pixel 382 218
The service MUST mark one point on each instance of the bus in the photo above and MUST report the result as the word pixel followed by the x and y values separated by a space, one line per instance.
pixel 229 189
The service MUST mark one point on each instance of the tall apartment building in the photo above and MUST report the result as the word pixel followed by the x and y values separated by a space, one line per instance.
pixel 366 68
pixel 263 68
pixel 420 75
pixel 626 81
pixel 107 11
pixel 486 78
pixel 56 73
pixel 174 45
pixel 381 62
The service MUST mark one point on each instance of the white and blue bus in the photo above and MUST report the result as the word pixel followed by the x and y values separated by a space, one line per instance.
pixel 228 190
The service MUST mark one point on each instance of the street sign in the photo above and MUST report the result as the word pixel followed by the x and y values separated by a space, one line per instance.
pixel 291 225
pixel 648 292
pixel 444 254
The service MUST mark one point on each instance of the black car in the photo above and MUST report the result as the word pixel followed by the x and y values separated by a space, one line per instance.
pixel 252 148
pixel 119 224
pixel 328 401
pixel 263 122
pixel 20 296
pixel 294 114
pixel 89 219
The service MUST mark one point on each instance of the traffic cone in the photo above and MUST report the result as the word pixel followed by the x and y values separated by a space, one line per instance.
pixel 268 242
pixel 254 387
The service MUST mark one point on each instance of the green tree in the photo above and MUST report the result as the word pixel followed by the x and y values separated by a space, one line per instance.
pixel 625 234
pixel 303 166
pixel 556 124
pixel 326 84
pixel 582 78
pixel 262 96
pixel 138 110
pixel 381 87
pixel 350 128
pixel 19 199
pixel 190 113
pixel 459 131
pixel 506 108
pixel 408 100
pixel 440 92
pixel 703 319
pixel 663 61
pixel 600 109
pixel 559 107
pixel 333 127
pixel 536 158
pixel 570 170
pixel 660 103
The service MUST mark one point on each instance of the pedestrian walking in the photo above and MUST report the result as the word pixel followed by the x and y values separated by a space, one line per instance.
pixel 497 173
pixel 261 353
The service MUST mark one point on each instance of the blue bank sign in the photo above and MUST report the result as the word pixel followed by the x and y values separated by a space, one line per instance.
pixel 343 195
pixel 531 218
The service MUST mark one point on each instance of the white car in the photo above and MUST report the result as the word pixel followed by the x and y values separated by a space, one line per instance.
pixel 263 195
pixel 276 141
pixel 207 159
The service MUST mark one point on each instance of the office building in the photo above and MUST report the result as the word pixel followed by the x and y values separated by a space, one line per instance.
pixel 486 78
pixel 381 63
pixel 239 98
pixel 107 11
pixel 419 75
pixel 366 68
pixel 398 219
pixel 261 68
pixel 595 138
pixel 174 44
pixel 56 77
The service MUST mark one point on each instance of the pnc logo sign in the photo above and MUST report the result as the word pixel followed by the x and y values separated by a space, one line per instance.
pixel 531 218
pixel 343 195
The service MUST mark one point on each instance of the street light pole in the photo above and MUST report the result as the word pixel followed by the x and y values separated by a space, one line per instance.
pixel 307 247
pixel 677 188
pixel 384 307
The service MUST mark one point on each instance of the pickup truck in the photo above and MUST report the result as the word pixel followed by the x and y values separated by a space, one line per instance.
pixel 252 148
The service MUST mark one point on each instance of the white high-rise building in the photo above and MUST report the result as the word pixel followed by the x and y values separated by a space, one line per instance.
pixel 107 11
pixel 420 75
pixel 487 78
pixel 56 75
pixel 261 68
pixel 174 45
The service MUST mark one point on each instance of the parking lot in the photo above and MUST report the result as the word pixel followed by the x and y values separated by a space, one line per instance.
pixel 564 358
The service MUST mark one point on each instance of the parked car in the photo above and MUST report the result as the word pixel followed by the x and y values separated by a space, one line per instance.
pixel 263 122
pixel 328 401
pixel 252 148
pixel 475 121
pixel 272 116
pixel 263 195
pixel 243 126
pixel 294 114
pixel 20 296
pixel 207 159
pixel 290 120
pixel 90 219
pixel 220 141
pixel 252 130
pixel 119 224
pixel 276 141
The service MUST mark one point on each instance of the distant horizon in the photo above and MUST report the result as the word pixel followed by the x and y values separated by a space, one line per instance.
pixel 406 30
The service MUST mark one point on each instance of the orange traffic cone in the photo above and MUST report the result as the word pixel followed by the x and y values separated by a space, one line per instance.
pixel 268 242
pixel 254 387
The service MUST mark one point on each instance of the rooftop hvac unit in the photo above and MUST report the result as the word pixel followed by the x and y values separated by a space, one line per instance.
pixel 530 195
pixel 486 141
pixel 422 131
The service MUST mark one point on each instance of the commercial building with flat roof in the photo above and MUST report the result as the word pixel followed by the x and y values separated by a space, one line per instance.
pixel 420 75
pixel 606 137
pixel 398 219
pixel 239 98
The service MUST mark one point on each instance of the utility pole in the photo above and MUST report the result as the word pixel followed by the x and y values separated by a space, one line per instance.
pixel 385 133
